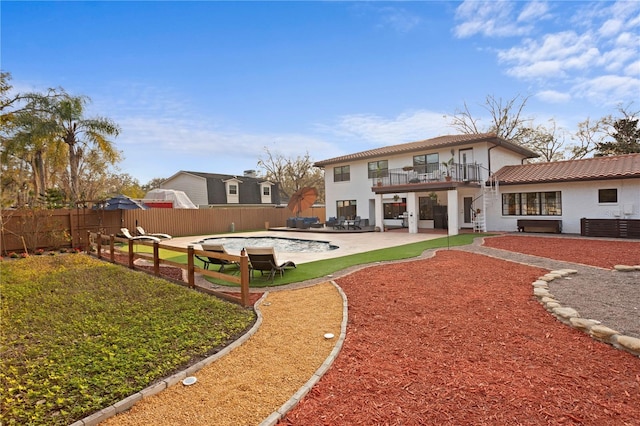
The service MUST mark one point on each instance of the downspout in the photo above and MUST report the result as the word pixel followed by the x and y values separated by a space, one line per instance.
pixel 489 156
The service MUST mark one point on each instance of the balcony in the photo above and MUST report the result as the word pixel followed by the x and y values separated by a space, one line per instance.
pixel 426 177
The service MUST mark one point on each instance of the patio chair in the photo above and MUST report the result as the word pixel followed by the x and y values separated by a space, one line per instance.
pixel 217 248
pixel 263 259
pixel 356 222
pixel 340 223
pixel 127 235
pixel 143 233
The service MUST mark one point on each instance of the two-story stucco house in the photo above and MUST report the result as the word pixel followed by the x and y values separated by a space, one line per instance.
pixel 477 181
pixel 211 189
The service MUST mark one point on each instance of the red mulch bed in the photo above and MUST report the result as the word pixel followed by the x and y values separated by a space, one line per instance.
pixel 602 253
pixel 459 339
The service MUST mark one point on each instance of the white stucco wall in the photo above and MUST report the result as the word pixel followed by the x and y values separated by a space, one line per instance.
pixel 194 186
pixel 579 199
pixel 359 186
pixel 501 157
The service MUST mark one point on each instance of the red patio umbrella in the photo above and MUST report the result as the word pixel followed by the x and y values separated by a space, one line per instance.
pixel 302 199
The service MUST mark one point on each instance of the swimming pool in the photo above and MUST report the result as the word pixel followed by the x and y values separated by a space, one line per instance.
pixel 290 245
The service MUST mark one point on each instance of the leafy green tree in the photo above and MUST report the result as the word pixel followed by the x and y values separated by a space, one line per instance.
pixel 626 138
pixel 80 135
pixel 153 184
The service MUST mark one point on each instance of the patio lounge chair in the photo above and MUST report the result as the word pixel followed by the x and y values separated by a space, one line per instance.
pixel 127 234
pixel 142 233
pixel 218 248
pixel 263 259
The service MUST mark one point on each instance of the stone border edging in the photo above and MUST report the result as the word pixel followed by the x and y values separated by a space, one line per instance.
pixel 274 417
pixel 125 404
pixel 571 317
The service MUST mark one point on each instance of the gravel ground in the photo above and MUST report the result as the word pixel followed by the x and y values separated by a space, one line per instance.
pixel 605 295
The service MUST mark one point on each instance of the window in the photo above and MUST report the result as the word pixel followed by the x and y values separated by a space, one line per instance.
pixel 607 195
pixel 346 208
pixel 394 210
pixel 341 174
pixel 532 204
pixel 427 163
pixel 378 169
pixel 426 205
pixel 233 189
pixel 266 190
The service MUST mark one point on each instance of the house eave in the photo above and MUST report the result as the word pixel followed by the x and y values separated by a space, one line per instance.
pixel 424 187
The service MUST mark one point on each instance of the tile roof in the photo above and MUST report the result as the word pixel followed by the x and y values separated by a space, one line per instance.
pixel 597 168
pixel 433 143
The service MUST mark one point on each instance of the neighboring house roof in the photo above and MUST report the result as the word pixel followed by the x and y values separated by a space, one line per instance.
pixel 429 144
pixel 597 168
pixel 249 194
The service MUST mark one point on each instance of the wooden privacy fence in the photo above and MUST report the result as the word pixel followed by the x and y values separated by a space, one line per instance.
pixel 97 247
pixel 613 228
pixel 28 229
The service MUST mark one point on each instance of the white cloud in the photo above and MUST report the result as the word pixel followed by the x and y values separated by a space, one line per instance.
pixel 591 48
pixel 608 89
pixel 488 18
pixel 617 59
pixel 627 12
pixel 398 19
pixel 534 10
pixel 407 127
pixel 551 58
pixel 611 27
pixel 553 96
pixel 633 69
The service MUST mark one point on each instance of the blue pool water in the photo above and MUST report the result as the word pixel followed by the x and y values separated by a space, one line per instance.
pixel 291 245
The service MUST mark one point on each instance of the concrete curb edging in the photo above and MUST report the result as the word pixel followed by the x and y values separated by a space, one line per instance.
pixel 125 404
pixel 571 317
pixel 274 417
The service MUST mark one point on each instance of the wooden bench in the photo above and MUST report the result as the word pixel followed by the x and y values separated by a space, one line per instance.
pixel 540 225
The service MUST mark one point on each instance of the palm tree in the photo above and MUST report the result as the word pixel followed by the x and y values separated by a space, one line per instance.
pixel 81 135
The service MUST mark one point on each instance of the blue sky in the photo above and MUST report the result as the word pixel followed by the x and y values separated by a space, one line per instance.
pixel 206 86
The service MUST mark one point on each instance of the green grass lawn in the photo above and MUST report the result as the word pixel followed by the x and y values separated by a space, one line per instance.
pixel 80 334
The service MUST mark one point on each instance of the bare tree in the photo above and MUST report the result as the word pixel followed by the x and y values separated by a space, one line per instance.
pixel 548 142
pixel 589 135
pixel 507 119
pixel 292 174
